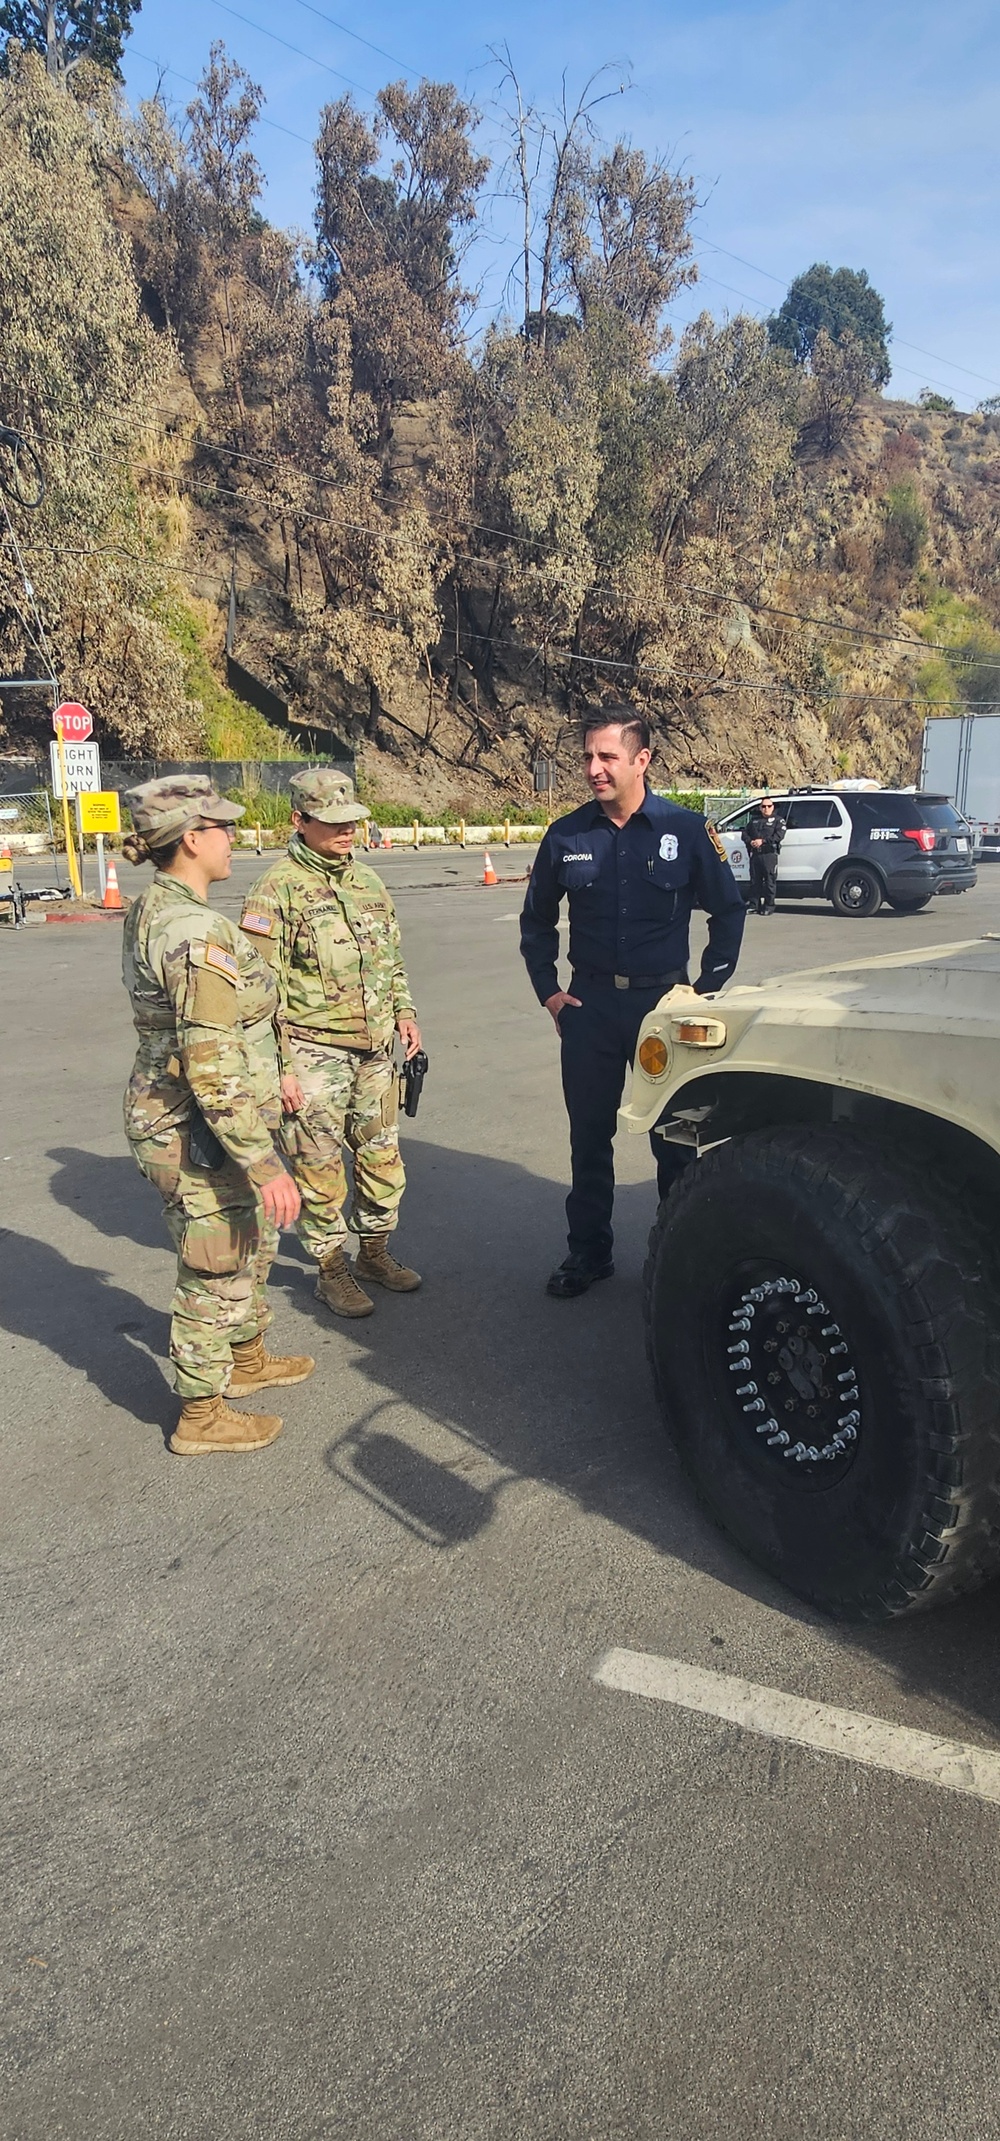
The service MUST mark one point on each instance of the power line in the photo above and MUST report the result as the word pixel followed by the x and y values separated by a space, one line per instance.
pixel 297 49
pixel 715 594
pixel 392 57
pixel 898 341
pixel 161 68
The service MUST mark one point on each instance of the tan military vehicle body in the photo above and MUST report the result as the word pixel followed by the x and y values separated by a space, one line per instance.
pixel 823 1283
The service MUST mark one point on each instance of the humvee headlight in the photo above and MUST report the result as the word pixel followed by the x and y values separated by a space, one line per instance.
pixel 698 1033
pixel 654 1055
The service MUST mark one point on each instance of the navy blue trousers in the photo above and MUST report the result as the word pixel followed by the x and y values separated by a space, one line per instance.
pixel 598 1044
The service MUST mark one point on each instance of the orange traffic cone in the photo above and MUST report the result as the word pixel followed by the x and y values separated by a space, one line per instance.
pixel 489 873
pixel 386 837
pixel 112 896
pixel 6 859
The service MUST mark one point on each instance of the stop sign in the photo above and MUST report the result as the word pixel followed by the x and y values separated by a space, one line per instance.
pixel 74 722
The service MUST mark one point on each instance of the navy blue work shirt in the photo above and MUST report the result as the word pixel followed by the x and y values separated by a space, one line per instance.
pixel 630 891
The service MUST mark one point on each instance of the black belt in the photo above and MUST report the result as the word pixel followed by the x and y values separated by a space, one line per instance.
pixel 633 981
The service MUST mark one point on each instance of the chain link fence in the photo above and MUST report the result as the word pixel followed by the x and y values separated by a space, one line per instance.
pixel 27 826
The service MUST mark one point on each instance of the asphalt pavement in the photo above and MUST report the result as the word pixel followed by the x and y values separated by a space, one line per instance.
pixel 316 1821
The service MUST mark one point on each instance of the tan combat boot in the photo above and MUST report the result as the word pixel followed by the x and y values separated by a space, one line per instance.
pixel 375 1263
pixel 338 1288
pixel 208 1424
pixel 254 1368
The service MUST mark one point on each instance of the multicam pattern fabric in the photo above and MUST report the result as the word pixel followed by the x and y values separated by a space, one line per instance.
pixel 162 809
pixel 204 1007
pixel 225 1247
pixel 333 948
pixel 352 1100
pixel 322 793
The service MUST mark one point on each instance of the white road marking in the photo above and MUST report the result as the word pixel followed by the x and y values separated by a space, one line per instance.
pixel 954 1765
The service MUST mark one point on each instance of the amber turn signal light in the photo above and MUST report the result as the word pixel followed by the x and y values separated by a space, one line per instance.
pixel 654 1055
pixel 699 1033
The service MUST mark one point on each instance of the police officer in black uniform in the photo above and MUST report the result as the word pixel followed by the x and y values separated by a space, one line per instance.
pixel 762 836
pixel 632 867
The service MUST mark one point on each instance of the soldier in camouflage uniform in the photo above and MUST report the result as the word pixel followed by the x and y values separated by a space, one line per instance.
pixel 328 929
pixel 206 1076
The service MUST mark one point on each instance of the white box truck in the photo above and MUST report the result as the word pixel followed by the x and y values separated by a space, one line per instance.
pixel 961 759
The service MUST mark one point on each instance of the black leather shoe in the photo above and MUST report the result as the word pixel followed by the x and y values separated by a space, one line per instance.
pixel 575 1275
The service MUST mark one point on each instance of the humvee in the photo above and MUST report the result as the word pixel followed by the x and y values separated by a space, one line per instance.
pixel 823 1281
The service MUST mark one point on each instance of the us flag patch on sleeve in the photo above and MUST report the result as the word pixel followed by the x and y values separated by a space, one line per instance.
pixel 224 962
pixel 259 925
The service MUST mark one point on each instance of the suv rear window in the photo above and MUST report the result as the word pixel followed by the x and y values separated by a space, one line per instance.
pixel 904 812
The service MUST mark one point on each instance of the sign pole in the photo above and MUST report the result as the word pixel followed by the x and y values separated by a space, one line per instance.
pixel 74 873
pixel 102 875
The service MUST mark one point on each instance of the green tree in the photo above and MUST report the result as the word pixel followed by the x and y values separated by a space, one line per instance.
pixel 837 303
pixel 66 32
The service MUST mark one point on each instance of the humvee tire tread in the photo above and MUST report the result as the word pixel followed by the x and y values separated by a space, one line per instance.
pixel 925 1275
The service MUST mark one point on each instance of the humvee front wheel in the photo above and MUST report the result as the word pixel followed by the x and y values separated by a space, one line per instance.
pixel 824 1343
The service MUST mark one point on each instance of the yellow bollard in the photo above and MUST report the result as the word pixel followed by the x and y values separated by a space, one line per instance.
pixel 461 829
pixel 506 832
pixel 416 833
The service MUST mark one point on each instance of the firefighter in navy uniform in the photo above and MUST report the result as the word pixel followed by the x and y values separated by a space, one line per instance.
pixel 631 867
pixel 762 837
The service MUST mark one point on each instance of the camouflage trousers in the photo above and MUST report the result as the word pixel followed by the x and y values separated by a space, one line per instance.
pixel 225 1248
pixel 351 1099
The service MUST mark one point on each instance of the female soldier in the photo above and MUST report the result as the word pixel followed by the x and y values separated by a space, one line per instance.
pixel 202 1110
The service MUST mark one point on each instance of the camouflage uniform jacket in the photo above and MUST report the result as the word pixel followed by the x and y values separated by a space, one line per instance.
pixel 204 1007
pixel 329 932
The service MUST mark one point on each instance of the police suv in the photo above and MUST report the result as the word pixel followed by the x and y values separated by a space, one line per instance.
pixel 856 845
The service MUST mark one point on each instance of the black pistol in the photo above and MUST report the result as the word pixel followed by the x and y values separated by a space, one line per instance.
pixel 414 1073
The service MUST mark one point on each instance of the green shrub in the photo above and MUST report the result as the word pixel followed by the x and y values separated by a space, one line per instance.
pixel 231 729
pixel 904 528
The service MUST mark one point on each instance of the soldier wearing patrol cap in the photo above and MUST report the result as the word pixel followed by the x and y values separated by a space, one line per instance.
pixel 631 866
pixel 202 1111
pixel 328 930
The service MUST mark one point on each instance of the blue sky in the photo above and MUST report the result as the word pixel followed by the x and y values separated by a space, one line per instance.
pixel 862 134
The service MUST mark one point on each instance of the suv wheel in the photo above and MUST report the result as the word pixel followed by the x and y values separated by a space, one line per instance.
pixel 857 890
pixel 909 906
pixel 822 1330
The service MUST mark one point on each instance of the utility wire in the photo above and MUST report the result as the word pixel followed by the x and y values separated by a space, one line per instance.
pixel 716 594
pixel 297 49
pixel 898 341
pixel 392 57
pixel 161 68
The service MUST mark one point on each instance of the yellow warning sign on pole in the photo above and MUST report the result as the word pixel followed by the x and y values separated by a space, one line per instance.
pixel 99 813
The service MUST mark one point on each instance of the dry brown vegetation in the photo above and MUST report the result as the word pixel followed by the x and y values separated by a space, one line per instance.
pixel 444 555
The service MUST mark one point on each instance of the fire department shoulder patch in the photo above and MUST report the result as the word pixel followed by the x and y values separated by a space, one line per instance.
pixel 715 840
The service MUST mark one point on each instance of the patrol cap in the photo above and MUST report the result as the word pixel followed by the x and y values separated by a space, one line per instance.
pixel 326 795
pixel 163 810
